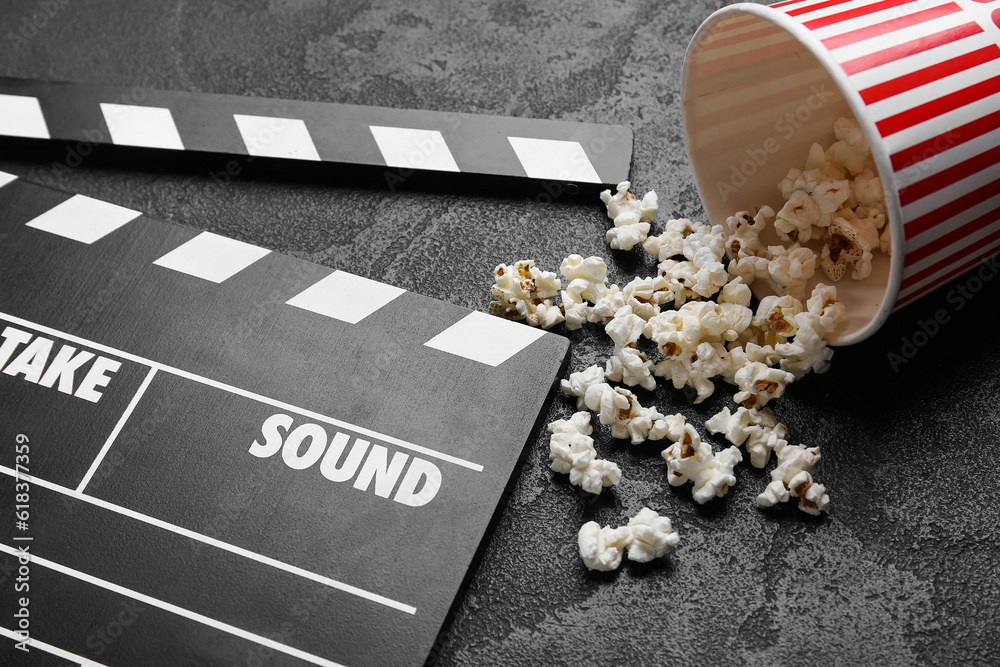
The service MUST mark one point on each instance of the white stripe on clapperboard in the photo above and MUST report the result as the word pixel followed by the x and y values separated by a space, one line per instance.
pixel 116 430
pixel 153 602
pixel 244 393
pixel 34 642
pixel 225 546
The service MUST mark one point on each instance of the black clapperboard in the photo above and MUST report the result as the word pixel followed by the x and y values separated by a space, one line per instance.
pixel 398 142
pixel 235 457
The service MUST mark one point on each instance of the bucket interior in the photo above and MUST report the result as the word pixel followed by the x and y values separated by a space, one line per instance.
pixel 755 100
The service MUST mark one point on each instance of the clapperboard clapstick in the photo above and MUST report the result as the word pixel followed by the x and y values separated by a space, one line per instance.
pixel 238 457
pixel 572 154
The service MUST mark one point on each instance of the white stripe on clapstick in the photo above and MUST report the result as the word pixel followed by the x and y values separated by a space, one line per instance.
pixel 34 642
pixel 345 297
pixel 21 116
pixel 301 130
pixel 6 178
pixel 147 127
pixel 211 257
pixel 554 160
pixel 129 409
pixel 485 338
pixel 172 608
pixel 411 148
pixel 267 136
pixel 83 219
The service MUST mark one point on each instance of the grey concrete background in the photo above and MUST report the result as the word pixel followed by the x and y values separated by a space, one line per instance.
pixel 903 570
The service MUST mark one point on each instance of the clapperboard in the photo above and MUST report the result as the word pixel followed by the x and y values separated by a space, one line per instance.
pixel 250 454
pixel 237 457
pixel 575 155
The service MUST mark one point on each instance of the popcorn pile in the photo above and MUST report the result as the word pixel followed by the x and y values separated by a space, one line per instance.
pixel 836 205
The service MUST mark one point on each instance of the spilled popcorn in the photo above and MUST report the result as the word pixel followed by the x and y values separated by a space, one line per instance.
pixel 690 459
pixel 698 316
pixel 647 536
pixel 523 292
pixel 602 548
pixel 652 536
pixel 631 216
pixel 759 430
pixel 571 450
pixel 793 479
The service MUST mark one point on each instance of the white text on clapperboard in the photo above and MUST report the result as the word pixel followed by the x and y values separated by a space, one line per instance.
pixel 306 444
pixel 33 363
pixel 366 463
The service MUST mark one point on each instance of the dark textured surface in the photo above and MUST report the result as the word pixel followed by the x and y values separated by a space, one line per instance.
pixel 904 568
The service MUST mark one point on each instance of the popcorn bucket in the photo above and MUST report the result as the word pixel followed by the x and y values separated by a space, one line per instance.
pixel 762 84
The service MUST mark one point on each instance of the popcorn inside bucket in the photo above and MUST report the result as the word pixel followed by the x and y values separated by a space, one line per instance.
pixel 769 129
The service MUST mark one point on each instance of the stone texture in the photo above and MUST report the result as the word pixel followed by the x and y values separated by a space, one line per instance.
pixel 902 571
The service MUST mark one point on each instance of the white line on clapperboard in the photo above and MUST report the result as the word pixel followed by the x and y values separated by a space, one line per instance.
pixel 116 430
pixel 49 648
pixel 225 546
pixel 244 393
pixel 154 602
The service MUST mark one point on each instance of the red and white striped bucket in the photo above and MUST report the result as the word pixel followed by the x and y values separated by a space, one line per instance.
pixel 761 84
